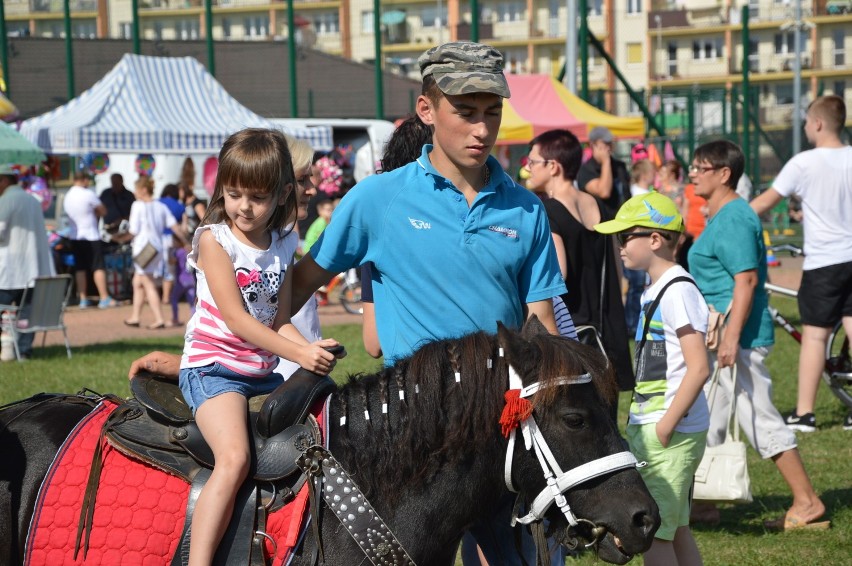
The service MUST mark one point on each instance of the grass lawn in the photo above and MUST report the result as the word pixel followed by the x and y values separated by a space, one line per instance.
pixel 739 540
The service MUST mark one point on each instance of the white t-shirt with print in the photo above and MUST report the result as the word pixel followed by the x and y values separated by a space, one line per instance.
pixel 681 305
pixel 822 178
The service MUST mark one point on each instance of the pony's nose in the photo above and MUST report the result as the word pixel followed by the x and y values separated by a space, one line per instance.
pixel 645 521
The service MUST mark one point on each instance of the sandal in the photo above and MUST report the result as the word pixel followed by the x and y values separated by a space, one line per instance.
pixel 793 523
pixel 159 326
pixel 131 323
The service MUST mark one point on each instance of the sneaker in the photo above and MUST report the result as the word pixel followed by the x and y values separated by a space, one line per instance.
pixel 85 303
pixel 801 423
pixel 847 422
pixel 107 303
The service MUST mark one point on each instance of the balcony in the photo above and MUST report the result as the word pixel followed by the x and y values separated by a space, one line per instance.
pixel 769 63
pixel 58 6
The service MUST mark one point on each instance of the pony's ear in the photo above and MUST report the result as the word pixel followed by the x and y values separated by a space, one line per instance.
pixel 533 327
pixel 513 346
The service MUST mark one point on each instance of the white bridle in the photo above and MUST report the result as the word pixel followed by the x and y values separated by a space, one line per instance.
pixel 558 482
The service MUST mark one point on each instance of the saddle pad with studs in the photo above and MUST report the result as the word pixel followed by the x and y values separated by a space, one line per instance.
pixel 139 509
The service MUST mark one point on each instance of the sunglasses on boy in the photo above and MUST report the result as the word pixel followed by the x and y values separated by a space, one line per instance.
pixel 624 237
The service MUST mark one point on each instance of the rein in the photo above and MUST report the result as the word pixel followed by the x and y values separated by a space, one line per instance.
pixel 558 482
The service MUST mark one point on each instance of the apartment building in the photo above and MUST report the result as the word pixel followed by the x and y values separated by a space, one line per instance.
pixel 530 33
pixel 662 46
pixel 699 43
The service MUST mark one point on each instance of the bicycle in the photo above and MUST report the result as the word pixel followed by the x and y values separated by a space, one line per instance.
pixel 837 373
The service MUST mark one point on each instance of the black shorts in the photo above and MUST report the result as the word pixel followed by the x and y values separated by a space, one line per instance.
pixel 825 295
pixel 88 255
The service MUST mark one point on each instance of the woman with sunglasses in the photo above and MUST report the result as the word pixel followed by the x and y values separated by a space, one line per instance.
pixel 587 259
pixel 728 263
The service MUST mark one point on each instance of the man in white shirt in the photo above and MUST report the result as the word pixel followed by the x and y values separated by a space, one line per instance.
pixel 822 179
pixel 84 209
pixel 24 251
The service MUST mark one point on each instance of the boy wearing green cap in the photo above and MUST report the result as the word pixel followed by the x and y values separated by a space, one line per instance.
pixel 669 418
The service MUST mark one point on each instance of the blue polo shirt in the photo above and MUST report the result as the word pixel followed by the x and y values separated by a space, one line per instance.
pixel 442 269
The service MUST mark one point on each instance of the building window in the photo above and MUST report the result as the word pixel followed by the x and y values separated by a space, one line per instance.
pixel 707 49
pixel 125 30
pixel 595 7
pixel 634 6
pixel 671 52
pixel 158 31
pixel 634 53
pixel 510 12
pixel 429 17
pixel 226 28
pixel 367 21
pixel 256 26
pixel 187 29
pixel 85 30
pixel 784 94
pixel 839 37
pixel 785 42
pixel 327 23
pixel 753 56
pixel 515 61
pixel 753 9
pixel 839 88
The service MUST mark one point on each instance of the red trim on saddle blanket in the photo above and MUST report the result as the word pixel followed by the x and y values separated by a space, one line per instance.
pixel 140 510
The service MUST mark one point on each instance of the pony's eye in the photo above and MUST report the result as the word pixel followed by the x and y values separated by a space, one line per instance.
pixel 574 420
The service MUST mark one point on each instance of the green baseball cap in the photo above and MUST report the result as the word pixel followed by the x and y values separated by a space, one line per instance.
pixel 464 67
pixel 651 210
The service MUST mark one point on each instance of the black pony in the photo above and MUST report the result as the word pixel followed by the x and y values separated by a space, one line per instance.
pixel 433 464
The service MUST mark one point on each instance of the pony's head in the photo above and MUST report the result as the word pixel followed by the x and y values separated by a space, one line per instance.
pixel 573 413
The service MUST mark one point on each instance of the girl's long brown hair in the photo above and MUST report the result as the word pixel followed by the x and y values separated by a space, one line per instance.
pixel 256 159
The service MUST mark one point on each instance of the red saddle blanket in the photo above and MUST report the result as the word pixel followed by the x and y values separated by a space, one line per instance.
pixel 139 509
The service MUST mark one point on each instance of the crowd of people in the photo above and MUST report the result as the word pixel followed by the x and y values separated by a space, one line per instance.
pixel 683 245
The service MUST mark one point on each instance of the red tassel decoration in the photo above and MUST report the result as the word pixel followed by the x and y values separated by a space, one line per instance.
pixel 515 411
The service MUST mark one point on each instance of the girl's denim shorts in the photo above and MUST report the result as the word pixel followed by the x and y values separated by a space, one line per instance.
pixel 205 382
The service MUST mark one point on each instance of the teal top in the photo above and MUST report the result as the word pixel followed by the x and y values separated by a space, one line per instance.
pixel 732 243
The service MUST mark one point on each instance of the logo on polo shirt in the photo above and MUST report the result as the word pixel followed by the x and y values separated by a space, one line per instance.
pixel 508 232
pixel 419 224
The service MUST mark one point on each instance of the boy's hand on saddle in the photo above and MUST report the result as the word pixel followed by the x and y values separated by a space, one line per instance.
pixel 316 358
pixel 159 363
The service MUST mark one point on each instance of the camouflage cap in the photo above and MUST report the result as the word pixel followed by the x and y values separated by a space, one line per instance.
pixel 464 67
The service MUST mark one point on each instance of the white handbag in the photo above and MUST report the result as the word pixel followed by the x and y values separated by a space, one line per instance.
pixel 722 475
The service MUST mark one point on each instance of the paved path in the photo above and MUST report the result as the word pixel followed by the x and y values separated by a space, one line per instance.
pixel 94 326
pixel 97 326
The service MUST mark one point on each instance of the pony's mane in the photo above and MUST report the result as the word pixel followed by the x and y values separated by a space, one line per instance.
pixel 442 421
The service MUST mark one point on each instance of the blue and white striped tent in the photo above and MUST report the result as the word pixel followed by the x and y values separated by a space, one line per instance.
pixel 152 105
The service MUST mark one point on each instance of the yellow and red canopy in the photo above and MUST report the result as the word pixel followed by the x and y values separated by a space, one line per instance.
pixel 540 103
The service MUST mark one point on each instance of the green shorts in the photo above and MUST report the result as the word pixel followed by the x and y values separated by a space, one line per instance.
pixel 669 473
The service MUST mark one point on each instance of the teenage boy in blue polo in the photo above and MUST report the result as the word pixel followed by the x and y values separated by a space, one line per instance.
pixel 456 244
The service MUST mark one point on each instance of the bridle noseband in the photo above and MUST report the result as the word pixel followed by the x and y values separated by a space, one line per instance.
pixel 558 482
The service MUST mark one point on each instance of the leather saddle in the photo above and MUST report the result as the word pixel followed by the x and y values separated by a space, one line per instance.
pixel 156 426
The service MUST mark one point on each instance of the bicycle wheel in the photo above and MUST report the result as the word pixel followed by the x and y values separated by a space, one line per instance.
pixel 838 365
pixel 350 298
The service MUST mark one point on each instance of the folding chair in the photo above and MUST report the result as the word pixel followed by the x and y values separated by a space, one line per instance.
pixel 47 299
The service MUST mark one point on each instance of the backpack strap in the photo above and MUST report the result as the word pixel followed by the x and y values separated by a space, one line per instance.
pixel 652 309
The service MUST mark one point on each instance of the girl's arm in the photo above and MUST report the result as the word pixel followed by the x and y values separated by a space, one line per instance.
pixel 697 371
pixel 745 284
pixel 219 269
pixel 283 324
